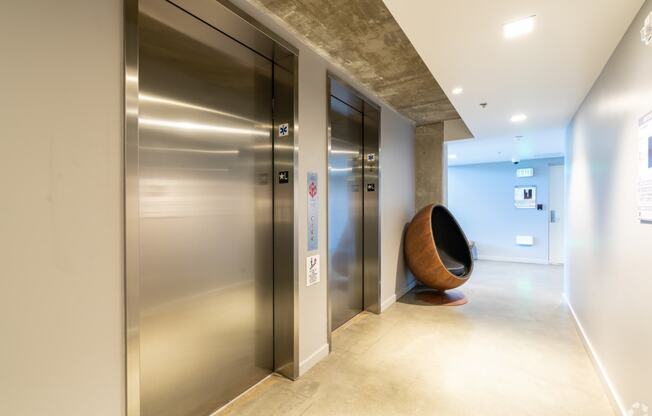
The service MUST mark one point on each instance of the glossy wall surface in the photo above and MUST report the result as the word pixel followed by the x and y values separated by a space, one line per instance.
pixel 371 208
pixel 206 206
pixel 353 209
pixel 345 225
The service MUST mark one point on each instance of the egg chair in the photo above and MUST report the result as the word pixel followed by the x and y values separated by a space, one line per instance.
pixel 436 249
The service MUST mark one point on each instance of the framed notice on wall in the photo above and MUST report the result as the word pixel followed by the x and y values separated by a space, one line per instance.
pixel 645 168
pixel 525 197
pixel 313 212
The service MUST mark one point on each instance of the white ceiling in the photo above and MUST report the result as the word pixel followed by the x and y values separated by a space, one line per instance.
pixel 539 145
pixel 544 75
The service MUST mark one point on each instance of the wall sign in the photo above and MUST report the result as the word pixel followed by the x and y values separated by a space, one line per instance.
pixel 313 211
pixel 371 187
pixel 645 168
pixel 283 176
pixel 524 172
pixel 525 197
pixel 312 270
pixel 283 129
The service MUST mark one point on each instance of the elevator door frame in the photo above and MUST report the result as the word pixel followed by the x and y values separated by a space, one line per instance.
pixel 229 20
pixel 371 283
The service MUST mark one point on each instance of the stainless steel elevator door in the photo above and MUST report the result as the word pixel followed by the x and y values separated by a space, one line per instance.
pixel 345 213
pixel 205 201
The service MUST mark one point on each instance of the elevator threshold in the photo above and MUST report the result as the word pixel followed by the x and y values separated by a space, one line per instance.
pixel 352 321
pixel 244 393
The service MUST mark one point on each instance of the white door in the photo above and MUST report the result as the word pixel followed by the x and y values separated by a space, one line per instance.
pixel 556 216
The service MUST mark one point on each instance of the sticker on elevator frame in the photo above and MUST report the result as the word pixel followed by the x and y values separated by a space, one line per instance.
pixel 312 270
pixel 371 187
pixel 371 157
pixel 313 211
pixel 283 129
pixel 284 176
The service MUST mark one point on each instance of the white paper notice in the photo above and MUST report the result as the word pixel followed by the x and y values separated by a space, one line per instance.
pixel 525 196
pixel 645 168
pixel 312 270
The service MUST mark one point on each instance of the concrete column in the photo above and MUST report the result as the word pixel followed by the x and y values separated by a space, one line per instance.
pixel 428 165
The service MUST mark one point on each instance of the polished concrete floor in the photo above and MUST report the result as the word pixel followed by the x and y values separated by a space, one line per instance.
pixel 512 350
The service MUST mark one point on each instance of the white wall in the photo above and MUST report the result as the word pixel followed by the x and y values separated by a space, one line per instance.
pixel 61 278
pixel 608 273
pixel 397 137
pixel 313 322
pixel 396 204
pixel 488 215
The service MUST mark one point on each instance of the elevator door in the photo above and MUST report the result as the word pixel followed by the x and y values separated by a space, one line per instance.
pixel 345 213
pixel 205 189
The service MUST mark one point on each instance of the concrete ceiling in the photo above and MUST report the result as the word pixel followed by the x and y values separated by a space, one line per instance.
pixel 363 38
pixel 544 75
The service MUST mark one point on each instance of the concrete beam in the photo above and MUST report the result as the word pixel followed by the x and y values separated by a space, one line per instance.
pixel 362 37
pixel 456 130
pixel 429 165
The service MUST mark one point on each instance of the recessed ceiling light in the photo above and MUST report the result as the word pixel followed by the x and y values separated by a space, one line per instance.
pixel 458 90
pixel 518 28
pixel 517 118
pixel 452 156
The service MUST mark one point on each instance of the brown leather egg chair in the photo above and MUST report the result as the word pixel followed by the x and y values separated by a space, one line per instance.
pixel 436 249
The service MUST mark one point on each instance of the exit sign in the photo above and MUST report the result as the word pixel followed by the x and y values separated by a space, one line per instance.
pixel 525 172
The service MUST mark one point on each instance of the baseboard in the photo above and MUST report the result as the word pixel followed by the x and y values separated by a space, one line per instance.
pixel 513 259
pixel 396 296
pixel 314 358
pixel 616 402
pixel 387 303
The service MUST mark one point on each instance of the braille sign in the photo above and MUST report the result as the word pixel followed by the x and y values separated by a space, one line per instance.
pixel 371 187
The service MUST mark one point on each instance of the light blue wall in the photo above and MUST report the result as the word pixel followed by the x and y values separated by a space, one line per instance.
pixel 481 197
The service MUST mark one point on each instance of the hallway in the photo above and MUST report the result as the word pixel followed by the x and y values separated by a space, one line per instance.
pixel 512 350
